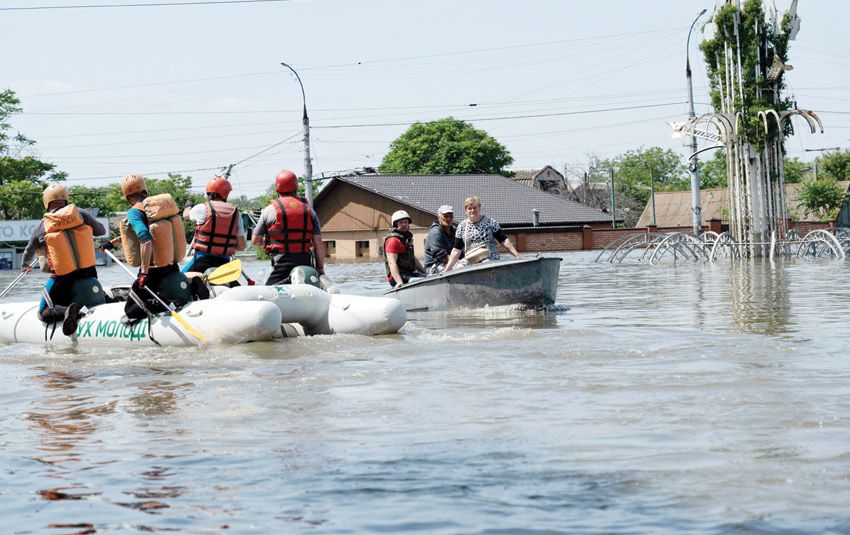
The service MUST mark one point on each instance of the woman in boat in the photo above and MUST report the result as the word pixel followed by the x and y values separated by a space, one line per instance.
pixel 478 229
pixel 65 242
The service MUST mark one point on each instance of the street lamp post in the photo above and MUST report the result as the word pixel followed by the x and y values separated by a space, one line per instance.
pixel 692 165
pixel 836 149
pixel 308 163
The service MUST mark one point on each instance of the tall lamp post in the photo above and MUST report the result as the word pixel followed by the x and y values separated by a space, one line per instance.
pixel 825 149
pixel 308 163
pixel 692 165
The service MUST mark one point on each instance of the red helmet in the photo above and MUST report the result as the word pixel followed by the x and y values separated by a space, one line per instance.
pixel 286 182
pixel 219 185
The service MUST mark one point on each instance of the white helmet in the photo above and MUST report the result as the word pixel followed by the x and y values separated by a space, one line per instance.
pixel 400 214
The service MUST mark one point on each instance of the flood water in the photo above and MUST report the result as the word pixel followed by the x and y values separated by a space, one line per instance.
pixel 659 399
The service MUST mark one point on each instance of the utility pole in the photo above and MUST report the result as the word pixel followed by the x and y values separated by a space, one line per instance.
pixel 692 165
pixel 308 162
pixel 613 200
pixel 824 149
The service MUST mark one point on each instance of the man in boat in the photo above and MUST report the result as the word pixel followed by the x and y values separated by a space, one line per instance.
pixel 401 263
pixel 219 231
pixel 440 240
pixel 65 242
pixel 154 240
pixel 289 231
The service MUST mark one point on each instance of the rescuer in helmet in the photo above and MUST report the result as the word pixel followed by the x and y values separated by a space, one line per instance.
pixel 154 240
pixel 64 241
pixel 401 264
pixel 289 231
pixel 219 231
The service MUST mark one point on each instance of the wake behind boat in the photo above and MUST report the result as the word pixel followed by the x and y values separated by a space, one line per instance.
pixel 532 282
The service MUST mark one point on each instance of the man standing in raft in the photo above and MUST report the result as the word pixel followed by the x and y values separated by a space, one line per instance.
pixel 65 242
pixel 289 231
pixel 154 240
pixel 219 231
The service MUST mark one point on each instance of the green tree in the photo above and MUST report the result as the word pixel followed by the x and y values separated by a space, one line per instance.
pixel 22 176
pixel 835 165
pixel 632 172
pixel 822 197
pixel 445 146
pixel 712 173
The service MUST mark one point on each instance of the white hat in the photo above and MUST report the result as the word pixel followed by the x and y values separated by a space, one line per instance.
pixel 445 209
pixel 399 214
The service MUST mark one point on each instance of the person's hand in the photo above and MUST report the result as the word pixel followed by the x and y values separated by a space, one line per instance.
pixel 106 246
pixel 397 286
pixel 26 268
pixel 188 204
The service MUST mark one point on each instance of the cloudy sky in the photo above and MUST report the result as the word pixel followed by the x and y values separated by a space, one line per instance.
pixel 193 88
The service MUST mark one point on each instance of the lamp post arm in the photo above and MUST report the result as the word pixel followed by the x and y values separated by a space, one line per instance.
pixel 308 162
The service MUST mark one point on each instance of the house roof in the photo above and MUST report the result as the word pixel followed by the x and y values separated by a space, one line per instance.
pixel 673 208
pixel 525 176
pixel 508 202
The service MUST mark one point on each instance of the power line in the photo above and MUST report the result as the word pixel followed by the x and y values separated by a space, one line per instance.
pixel 155 4
pixel 508 117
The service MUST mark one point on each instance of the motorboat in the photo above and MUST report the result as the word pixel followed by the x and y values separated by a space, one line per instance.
pixel 530 282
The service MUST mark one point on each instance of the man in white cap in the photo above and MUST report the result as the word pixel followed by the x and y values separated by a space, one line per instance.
pixel 441 238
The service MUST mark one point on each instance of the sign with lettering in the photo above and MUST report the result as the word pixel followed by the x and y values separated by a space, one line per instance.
pixel 21 230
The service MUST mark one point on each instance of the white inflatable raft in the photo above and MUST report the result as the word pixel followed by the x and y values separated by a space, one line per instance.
pixel 319 312
pixel 220 322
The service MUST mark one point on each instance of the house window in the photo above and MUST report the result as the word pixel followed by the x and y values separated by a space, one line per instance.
pixel 362 249
pixel 330 248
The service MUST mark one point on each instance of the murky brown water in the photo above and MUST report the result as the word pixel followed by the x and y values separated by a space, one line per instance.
pixel 667 399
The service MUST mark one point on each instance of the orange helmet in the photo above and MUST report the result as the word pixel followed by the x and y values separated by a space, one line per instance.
pixel 54 192
pixel 219 185
pixel 286 182
pixel 132 183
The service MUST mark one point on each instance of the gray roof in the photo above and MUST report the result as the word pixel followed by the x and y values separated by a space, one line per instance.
pixel 508 202
pixel 525 176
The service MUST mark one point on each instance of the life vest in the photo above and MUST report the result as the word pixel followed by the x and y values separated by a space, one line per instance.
pixel 292 231
pixel 69 242
pixel 406 261
pixel 166 227
pixel 218 233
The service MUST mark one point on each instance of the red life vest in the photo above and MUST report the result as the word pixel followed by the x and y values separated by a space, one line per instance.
pixel 218 233
pixel 292 231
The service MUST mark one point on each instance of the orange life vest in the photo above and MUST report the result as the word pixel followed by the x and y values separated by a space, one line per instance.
pixel 292 231
pixel 217 235
pixel 166 227
pixel 69 242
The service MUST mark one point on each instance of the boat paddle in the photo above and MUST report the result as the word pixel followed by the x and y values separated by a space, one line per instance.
pixel 225 273
pixel 17 279
pixel 168 307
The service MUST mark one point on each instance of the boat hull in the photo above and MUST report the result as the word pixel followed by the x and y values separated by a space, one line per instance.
pixel 319 312
pixel 532 282
pixel 218 322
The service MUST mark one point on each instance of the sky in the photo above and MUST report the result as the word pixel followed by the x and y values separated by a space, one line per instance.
pixel 192 88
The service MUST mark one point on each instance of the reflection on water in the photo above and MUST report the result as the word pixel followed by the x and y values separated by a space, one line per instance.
pixel 761 301
pixel 653 399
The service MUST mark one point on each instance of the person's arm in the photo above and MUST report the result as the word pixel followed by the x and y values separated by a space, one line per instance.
pixel 96 226
pixel 319 253
pixel 240 232
pixel 31 249
pixel 510 247
pixel 392 261
pixel 137 220
pixel 258 238
pixel 453 258
pixel 418 264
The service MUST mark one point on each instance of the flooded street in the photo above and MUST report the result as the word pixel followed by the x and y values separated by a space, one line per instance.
pixel 665 399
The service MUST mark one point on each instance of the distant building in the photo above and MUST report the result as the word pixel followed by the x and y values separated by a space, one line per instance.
pixel 547 179
pixel 673 208
pixel 355 211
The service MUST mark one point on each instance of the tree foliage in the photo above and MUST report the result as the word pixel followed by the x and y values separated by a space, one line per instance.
pixel 22 176
pixel 712 172
pixel 445 146
pixel 758 93
pixel 635 170
pixel 822 197
pixel 835 165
